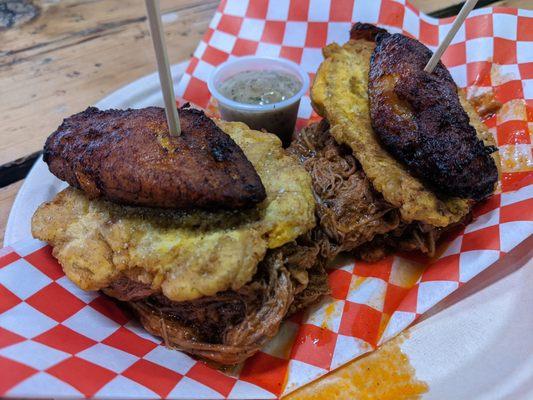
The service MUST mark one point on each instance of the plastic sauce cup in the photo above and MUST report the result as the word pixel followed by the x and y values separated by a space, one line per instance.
pixel 278 118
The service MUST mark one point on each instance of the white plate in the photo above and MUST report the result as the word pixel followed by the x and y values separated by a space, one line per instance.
pixel 478 348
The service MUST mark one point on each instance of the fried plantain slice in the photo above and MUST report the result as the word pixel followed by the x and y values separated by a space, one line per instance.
pixel 419 119
pixel 129 157
pixel 365 31
pixel 340 94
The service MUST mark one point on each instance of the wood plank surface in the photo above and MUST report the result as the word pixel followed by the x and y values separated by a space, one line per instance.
pixel 75 53
pixel 7 196
pixel 525 4
pixel 429 6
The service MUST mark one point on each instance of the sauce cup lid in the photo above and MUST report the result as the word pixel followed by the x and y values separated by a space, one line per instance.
pixel 255 63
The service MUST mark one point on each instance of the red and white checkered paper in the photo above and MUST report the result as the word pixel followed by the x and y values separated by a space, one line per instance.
pixel 58 341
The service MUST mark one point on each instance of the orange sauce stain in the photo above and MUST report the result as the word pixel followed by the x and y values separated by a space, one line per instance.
pixel 285 381
pixel 515 158
pixel 485 104
pixel 407 272
pixel 385 374
pixel 329 313
pixel 513 110
pixel 498 77
pixel 358 281
pixel 382 325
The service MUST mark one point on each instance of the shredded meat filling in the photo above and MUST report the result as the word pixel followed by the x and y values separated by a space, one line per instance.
pixel 232 325
pixel 349 211
pixel 352 215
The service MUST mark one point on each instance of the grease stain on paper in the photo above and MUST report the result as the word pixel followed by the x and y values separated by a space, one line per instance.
pixel 385 374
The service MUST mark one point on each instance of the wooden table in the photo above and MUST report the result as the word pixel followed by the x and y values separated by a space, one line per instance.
pixel 74 52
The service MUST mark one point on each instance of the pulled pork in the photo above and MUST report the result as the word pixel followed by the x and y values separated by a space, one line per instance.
pixel 231 326
pixel 351 215
pixel 349 211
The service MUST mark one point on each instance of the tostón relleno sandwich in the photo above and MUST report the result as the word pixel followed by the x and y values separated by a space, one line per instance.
pixel 200 234
pixel 214 237
pixel 400 157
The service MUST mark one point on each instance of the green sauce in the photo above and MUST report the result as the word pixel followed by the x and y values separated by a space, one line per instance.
pixel 260 87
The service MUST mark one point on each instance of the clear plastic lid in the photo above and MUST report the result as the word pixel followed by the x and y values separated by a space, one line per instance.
pixel 254 63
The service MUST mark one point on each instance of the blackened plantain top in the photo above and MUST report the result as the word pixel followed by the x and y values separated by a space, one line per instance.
pixel 365 31
pixel 419 119
pixel 129 157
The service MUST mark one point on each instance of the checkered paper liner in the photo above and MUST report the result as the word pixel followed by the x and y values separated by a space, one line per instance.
pixel 59 341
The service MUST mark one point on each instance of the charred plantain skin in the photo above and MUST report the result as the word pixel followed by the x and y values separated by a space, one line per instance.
pixel 419 119
pixel 365 31
pixel 129 157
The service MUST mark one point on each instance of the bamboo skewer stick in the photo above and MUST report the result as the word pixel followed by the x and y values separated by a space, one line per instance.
pixel 163 67
pixel 465 10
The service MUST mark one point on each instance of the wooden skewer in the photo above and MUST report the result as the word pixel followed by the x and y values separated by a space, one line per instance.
pixel 465 10
pixel 165 79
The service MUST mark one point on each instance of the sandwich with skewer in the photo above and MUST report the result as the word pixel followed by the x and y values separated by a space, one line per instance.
pixel 400 157
pixel 215 236
pixel 200 234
